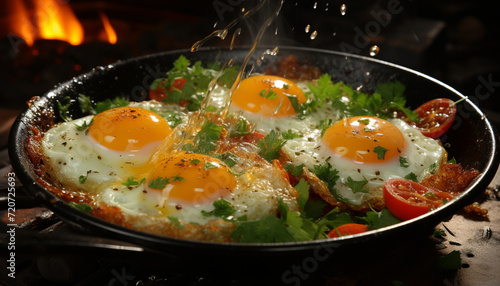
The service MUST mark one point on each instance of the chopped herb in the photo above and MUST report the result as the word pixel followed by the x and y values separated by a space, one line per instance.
pixel 324 124
pixel 295 103
pixel 411 176
pixel 380 151
pixel 289 134
pixel 85 104
pixel 84 126
pixel 270 94
pixel 206 139
pixel 223 209
pixel 209 166
pixel 403 162
pixel 376 220
pixel 228 158
pixel 175 221
pixel 439 233
pixel 368 129
pixel 450 261
pixel 172 117
pixel 303 189
pixel 82 207
pixel 364 121
pixel 294 170
pixel 432 168
pixel 452 161
pixel 177 178
pixel 357 186
pixel 110 103
pixel 158 183
pixel 131 182
pixel 63 109
pixel 330 177
pixel 83 178
pixel 195 161
pixel 431 195
pixel 270 146
pixel 240 129
pixel 285 86
pixel 211 108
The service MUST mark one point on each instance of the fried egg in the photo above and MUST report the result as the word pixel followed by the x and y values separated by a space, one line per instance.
pixel 367 149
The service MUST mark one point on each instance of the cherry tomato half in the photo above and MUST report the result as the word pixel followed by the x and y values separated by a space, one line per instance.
pixel 407 199
pixel 160 93
pixel 347 229
pixel 436 117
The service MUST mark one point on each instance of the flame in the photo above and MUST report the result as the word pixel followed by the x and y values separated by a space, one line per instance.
pixel 110 32
pixel 57 21
pixel 20 24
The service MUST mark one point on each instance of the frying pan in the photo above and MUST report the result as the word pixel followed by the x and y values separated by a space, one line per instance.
pixel 472 141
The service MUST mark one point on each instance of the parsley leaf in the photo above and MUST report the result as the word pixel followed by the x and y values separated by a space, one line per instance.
pixel 270 146
pixel 268 229
pixel 209 165
pixel 270 94
pixel 110 103
pixel 175 221
pixel 223 209
pixel 158 183
pixel 85 104
pixel 450 261
pixel 228 158
pixel 177 178
pixel 294 170
pixel 432 168
pixel 195 161
pixel 330 177
pixel 83 178
pixel 357 186
pixel 84 126
pixel 63 109
pixel 240 129
pixel 289 134
pixel 403 162
pixel 206 139
pixel 303 189
pixel 411 176
pixel 131 182
pixel 380 219
pixel 380 152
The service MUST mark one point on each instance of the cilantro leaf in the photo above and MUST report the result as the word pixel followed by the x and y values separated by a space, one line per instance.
pixel 270 146
pixel 357 186
pixel 110 103
pixel 158 183
pixel 294 170
pixel 228 158
pixel 380 152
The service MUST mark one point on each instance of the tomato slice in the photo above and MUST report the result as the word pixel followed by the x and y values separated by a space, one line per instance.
pixel 347 229
pixel 436 117
pixel 407 199
pixel 159 94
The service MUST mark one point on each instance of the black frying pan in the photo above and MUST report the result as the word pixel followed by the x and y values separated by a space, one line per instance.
pixel 471 140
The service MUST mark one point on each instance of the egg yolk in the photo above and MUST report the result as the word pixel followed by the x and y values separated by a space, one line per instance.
pixel 365 139
pixel 128 129
pixel 268 96
pixel 192 179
